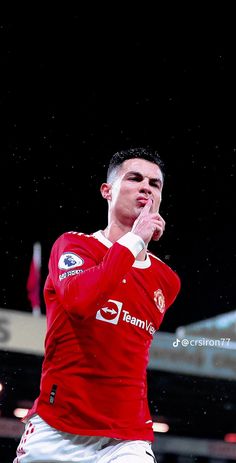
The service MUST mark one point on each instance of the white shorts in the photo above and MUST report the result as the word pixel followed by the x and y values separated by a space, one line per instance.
pixel 40 443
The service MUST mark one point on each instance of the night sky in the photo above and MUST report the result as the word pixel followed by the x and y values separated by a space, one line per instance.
pixel 74 92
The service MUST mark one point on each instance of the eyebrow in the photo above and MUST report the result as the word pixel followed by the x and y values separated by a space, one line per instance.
pixel 138 174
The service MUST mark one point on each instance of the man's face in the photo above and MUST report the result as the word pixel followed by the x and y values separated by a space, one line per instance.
pixel 136 181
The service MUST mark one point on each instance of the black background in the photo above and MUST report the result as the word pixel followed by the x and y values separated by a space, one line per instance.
pixel 76 87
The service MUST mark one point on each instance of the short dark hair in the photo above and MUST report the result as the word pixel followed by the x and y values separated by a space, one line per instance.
pixel 141 153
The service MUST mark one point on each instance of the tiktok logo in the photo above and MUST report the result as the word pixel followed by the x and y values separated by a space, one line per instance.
pixel 176 343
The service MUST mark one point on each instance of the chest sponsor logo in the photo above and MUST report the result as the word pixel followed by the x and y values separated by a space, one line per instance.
pixel 69 260
pixel 159 300
pixel 110 313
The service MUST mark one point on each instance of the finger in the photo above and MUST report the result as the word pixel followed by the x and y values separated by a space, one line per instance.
pixel 146 209
pixel 157 234
pixel 158 229
pixel 159 220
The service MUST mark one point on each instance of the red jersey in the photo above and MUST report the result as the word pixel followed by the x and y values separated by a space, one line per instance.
pixel 103 308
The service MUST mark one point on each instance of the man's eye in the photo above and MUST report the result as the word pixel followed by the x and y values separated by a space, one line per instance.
pixel 136 179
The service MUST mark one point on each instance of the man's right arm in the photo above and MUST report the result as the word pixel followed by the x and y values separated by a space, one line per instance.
pixel 84 288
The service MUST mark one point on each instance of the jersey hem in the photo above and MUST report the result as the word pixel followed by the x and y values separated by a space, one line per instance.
pixel 113 433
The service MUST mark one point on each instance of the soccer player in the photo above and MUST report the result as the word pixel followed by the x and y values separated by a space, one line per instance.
pixel 106 296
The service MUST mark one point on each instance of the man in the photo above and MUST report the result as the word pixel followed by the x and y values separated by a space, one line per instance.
pixel 105 295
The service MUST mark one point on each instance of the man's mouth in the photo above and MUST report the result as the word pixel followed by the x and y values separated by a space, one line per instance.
pixel 142 200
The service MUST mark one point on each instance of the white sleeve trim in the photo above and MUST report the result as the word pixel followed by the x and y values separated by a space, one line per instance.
pixel 133 242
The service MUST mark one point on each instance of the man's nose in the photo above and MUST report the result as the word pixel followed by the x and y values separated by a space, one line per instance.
pixel 145 187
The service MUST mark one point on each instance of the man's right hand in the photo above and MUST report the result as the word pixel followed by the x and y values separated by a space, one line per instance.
pixel 149 225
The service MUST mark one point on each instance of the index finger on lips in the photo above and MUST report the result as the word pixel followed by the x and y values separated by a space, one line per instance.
pixel 146 208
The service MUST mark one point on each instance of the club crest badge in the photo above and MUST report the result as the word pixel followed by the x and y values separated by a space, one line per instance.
pixel 159 300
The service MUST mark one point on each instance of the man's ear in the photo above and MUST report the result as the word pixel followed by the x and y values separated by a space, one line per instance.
pixel 106 190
